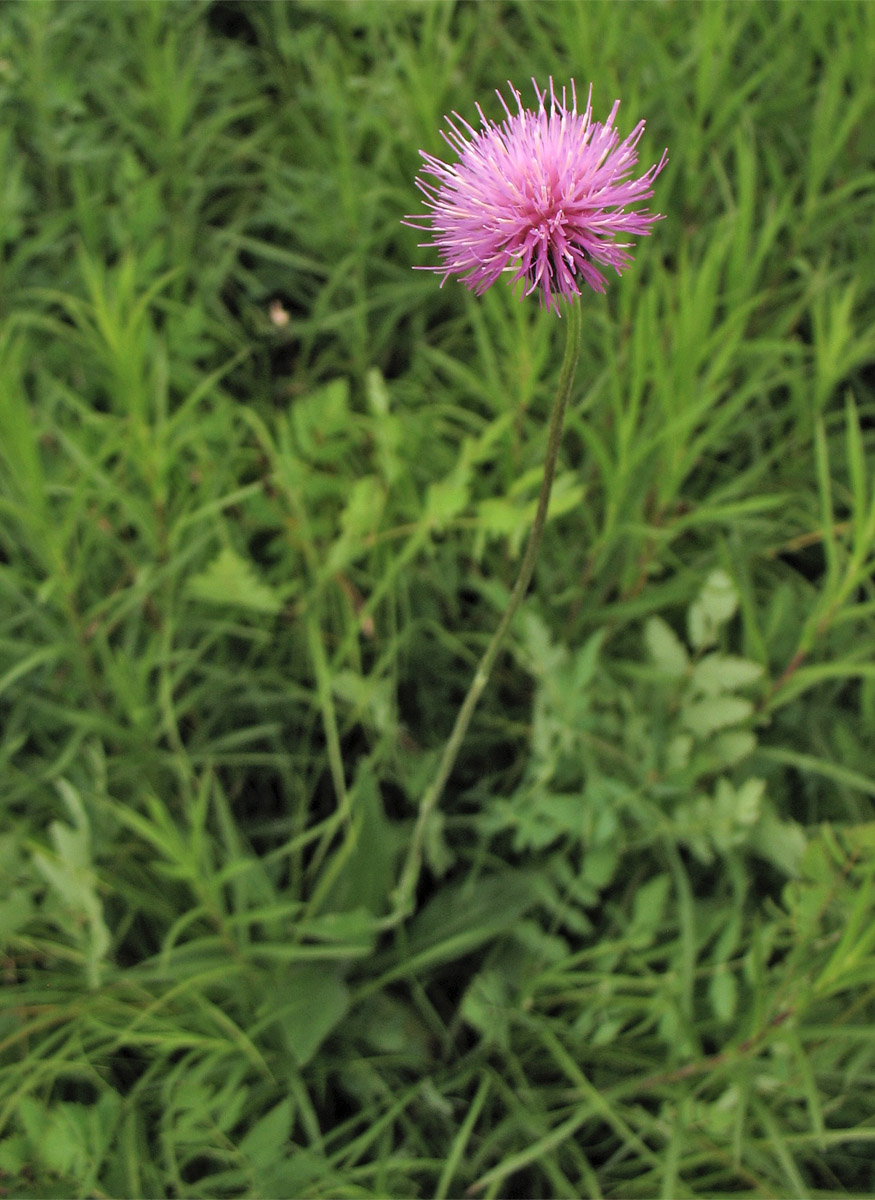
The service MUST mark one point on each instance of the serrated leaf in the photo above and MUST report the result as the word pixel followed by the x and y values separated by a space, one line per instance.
pixel 359 518
pixel 749 801
pixel 586 660
pixel 69 873
pixel 666 649
pixel 732 746
pixel 713 607
pixel 369 695
pixel 64 1146
pixel 546 657
pixel 447 498
pixel 498 516
pixel 545 816
pixel 486 1006
pixel 231 580
pixel 318 418
pixel 678 751
pixel 718 673
pixel 707 716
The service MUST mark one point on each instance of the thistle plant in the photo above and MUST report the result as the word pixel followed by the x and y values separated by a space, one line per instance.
pixel 543 198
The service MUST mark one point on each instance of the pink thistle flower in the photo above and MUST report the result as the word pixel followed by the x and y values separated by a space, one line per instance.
pixel 543 195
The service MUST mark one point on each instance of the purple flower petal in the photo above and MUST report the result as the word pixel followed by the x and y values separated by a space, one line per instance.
pixel 542 196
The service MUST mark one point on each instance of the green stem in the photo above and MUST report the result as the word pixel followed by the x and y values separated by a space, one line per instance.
pixel 410 874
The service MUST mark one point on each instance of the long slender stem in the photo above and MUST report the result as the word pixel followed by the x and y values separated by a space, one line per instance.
pixel 410 874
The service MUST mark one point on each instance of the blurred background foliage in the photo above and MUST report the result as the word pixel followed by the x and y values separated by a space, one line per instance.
pixel 263 488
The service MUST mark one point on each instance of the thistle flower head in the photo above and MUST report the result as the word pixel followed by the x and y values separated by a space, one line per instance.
pixel 544 196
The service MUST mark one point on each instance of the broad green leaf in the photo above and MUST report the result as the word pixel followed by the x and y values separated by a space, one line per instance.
pixel 354 927
pixel 391 1026
pixel 473 912
pixel 34 1116
pixel 566 496
pixel 599 865
pixel 15 1155
pixel 666 649
pixel 648 908
pixel 264 1142
pixel 678 751
pixel 782 843
pixel 732 746
pixel 363 866
pixel 308 1002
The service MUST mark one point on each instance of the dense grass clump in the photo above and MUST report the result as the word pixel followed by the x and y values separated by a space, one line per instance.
pixel 263 490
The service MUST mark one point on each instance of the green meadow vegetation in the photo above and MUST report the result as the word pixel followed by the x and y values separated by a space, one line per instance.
pixel 263 494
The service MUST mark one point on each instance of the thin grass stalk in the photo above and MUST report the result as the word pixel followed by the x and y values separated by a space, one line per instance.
pixel 412 865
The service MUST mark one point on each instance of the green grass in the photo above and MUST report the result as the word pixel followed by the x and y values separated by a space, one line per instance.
pixel 263 490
